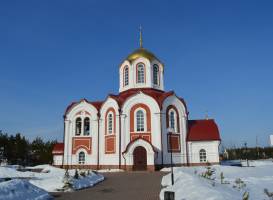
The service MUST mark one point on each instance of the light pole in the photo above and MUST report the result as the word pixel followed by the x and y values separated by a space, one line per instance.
pixel 246 154
pixel 171 130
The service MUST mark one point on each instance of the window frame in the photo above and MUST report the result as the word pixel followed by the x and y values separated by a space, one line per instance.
pixel 138 73
pixel 81 158
pixel 175 122
pixel 78 130
pixel 156 75
pixel 126 76
pixel 84 126
pixel 110 132
pixel 144 121
pixel 202 155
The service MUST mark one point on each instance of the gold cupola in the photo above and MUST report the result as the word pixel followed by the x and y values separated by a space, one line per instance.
pixel 141 69
pixel 141 52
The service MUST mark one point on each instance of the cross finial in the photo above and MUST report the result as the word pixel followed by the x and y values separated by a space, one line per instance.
pixel 140 37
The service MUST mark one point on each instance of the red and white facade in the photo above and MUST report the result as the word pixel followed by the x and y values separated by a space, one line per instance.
pixel 131 130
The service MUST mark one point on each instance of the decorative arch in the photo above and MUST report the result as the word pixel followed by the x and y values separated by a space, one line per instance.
pixel 177 123
pixel 146 134
pixel 113 112
pixel 139 142
pixel 110 138
pixel 74 108
pixel 81 142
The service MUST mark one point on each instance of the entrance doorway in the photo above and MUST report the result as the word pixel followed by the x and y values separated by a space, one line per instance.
pixel 140 158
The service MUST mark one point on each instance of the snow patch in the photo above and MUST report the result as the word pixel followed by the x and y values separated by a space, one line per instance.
pixel 50 178
pixel 87 181
pixel 189 185
pixel 22 189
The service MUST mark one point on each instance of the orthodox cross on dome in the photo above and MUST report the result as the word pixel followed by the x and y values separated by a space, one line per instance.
pixel 140 37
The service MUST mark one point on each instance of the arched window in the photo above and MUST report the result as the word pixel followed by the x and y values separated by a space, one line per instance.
pixel 86 130
pixel 140 120
pixel 156 74
pixel 126 76
pixel 81 157
pixel 110 123
pixel 172 120
pixel 140 73
pixel 78 126
pixel 203 155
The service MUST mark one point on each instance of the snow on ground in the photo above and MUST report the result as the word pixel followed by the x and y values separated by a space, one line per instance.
pixel 51 178
pixel 21 189
pixel 109 170
pixel 190 185
pixel 87 181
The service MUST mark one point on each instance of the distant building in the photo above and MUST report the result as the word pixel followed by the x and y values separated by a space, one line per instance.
pixel 131 130
pixel 271 140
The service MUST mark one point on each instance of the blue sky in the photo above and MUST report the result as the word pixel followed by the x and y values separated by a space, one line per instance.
pixel 217 56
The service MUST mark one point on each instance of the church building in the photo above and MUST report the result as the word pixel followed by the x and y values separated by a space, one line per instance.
pixel 143 127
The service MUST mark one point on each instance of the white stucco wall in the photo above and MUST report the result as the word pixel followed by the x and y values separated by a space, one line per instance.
pixel 155 120
pixel 69 158
pixel 177 157
pixel 57 159
pixel 211 148
pixel 148 71
pixel 113 158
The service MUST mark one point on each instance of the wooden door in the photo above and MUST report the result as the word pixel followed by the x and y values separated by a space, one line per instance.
pixel 140 158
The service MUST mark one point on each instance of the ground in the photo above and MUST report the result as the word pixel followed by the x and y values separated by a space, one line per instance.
pixel 120 185
pixel 217 182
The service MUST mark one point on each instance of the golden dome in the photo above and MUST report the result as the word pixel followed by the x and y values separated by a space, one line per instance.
pixel 141 52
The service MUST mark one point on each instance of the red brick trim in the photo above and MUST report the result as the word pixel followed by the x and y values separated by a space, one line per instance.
pixel 130 167
pixel 57 153
pixel 110 138
pixel 81 142
pixel 132 117
pixel 106 121
pixel 176 147
pixel 177 117
pixel 145 136
pixel 132 141
pixel 110 144
pixel 204 164
pixel 124 167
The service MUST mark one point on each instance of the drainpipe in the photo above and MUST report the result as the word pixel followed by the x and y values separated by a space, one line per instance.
pixel 98 151
pixel 120 113
pixel 162 150
pixel 187 151
pixel 63 140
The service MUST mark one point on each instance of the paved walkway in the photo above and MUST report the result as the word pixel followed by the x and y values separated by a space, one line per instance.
pixel 120 186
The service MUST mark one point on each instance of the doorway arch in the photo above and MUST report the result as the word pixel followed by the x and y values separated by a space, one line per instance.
pixel 140 159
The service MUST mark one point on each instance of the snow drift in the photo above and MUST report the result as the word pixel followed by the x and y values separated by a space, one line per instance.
pixel 21 189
